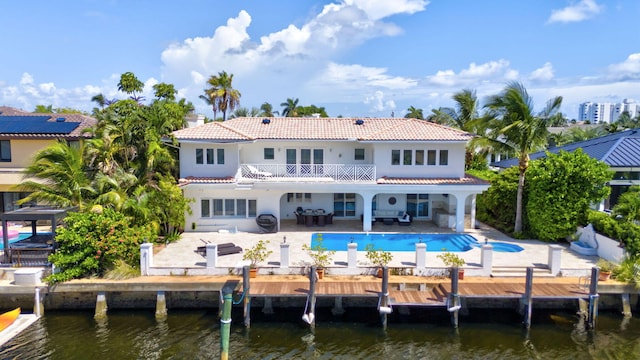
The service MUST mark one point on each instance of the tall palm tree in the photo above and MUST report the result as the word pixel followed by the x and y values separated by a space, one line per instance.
pixel 414 113
pixel 130 84
pixel 267 110
pixel 463 115
pixel 290 108
pixel 515 128
pixel 210 101
pixel 222 94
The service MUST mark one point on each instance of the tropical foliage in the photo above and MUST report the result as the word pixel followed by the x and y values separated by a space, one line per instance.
pixel 628 206
pixel 561 189
pixel 92 243
pixel 513 127
pixel 221 95
pixel 125 167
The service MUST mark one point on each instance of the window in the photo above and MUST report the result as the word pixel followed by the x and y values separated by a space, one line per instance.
pixel 408 157
pixel 344 204
pixel 299 197
pixel 199 156
pixel 269 154
pixel 395 157
pixel 205 208
pixel 419 157
pixel 444 157
pixel 418 205
pixel 359 154
pixel 5 150
pixel 212 156
pixel 229 207
pixel 431 157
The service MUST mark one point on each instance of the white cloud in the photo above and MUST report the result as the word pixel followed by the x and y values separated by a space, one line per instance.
pixel 582 10
pixel 545 73
pixel 628 69
pixel 378 102
pixel 473 74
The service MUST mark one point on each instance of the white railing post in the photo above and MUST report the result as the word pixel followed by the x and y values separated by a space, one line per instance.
pixel 352 255
pixel 284 255
pixel 421 255
pixel 146 258
pixel 486 259
pixel 555 259
pixel 212 255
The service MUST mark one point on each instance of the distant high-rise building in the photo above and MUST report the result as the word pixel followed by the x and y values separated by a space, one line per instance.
pixel 607 112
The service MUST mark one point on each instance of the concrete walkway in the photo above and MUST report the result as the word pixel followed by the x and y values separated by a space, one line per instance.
pixel 182 254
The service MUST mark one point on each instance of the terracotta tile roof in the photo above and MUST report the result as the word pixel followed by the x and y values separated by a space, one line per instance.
pixel 84 120
pixel 362 129
pixel 205 180
pixel 466 180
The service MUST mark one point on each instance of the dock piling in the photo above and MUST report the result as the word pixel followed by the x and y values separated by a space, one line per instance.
pixel 454 298
pixel 101 306
pixel 384 307
pixel 38 307
pixel 161 305
pixel 528 298
pixel 225 326
pixel 593 298
pixel 310 308
pixel 626 305
pixel 247 298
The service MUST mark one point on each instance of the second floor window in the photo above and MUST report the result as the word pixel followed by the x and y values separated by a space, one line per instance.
pixel 269 154
pixel 5 150
pixel 444 157
pixel 211 156
pixel 359 154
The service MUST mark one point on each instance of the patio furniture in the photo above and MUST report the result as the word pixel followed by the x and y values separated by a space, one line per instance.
pixel 321 219
pixel 267 223
pixel 257 173
pixel 223 249
pixel 299 218
pixel 329 218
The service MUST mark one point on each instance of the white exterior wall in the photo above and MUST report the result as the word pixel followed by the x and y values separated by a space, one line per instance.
pixel 188 166
pixel 334 152
pixel 454 169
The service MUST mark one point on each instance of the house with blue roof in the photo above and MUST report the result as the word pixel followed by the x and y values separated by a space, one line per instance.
pixel 621 151
pixel 22 134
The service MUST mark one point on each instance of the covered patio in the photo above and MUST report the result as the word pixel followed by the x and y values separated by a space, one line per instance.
pixel 38 242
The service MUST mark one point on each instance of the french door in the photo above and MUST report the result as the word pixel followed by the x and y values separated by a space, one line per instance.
pixel 305 162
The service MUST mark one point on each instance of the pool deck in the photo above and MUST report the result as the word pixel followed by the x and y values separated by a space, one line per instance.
pixel 182 254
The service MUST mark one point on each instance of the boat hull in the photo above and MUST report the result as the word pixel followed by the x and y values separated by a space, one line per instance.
pixel 8 318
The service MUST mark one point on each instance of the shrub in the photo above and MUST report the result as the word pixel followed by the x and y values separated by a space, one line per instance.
pixel 92 243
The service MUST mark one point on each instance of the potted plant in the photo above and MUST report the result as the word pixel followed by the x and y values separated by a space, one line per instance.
pixel 606 267
pixel 378 257
pixel 256 255
pixel 451 260
pixel 320 256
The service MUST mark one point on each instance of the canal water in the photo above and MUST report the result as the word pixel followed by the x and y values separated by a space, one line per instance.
pixel 427 334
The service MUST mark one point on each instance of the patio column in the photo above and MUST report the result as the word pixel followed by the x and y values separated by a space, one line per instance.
pixel 473 211
pixel 366 211
pixel 460 200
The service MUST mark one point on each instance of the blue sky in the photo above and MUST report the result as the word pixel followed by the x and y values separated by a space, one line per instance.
pixel 354 57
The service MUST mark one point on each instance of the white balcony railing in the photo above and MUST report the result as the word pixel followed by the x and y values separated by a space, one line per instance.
pixel 310 172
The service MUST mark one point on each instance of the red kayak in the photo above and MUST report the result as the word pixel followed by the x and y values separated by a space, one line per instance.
pixel 8 318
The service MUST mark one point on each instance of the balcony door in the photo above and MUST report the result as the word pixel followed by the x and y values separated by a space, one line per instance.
pixel 307 159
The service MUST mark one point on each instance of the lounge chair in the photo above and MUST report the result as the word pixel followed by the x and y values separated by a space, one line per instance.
pixel 223 249
pixel 257 173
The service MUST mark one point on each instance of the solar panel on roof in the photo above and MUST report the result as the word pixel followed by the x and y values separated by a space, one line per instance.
pixel 34 125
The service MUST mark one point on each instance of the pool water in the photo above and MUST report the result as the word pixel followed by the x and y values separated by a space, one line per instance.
pixel 406 242
pixel 22 236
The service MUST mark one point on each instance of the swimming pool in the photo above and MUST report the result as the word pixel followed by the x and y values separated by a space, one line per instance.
pixel 406 242
pixel 22 236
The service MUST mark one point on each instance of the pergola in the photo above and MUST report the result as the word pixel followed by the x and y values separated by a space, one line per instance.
pixel 32 214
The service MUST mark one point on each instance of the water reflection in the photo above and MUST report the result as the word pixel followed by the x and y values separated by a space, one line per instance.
pixel 195 335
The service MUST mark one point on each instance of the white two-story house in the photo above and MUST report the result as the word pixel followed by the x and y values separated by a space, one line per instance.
pixel 353 168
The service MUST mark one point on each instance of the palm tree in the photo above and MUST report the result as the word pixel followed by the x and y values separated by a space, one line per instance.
pixel 463 115
pixel 290 108
pixel 267 110
pixel 130 84
pixel 515 128
pixel 414 113
pixel 628 205
pixel 60 178
pixel 221 95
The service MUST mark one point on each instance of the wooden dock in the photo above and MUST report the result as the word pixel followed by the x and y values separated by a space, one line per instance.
pixel 417 292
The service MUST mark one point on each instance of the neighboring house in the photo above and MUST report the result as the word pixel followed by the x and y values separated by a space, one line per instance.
pixel 621 151
pixel 352 167
pixel 22 134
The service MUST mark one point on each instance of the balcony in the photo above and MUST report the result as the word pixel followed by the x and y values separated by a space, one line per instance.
pixel 306 173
